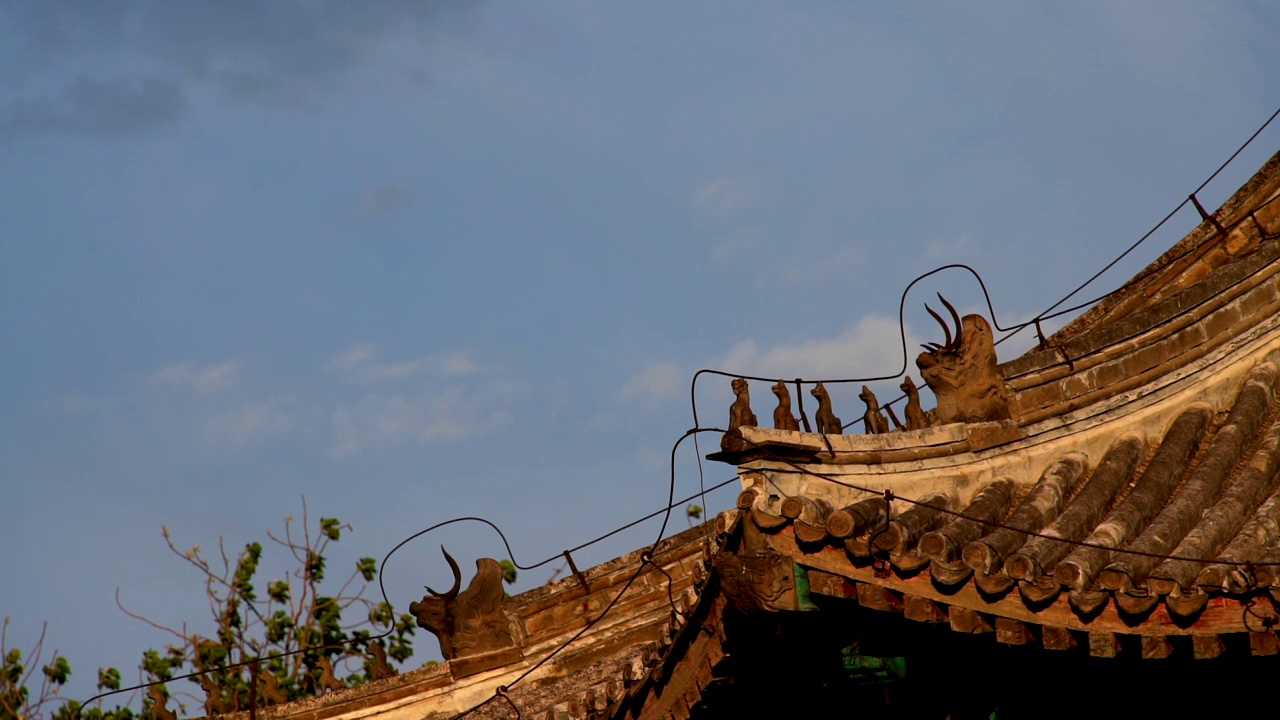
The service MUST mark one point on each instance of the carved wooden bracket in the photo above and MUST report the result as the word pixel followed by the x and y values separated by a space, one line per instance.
pixel 757 581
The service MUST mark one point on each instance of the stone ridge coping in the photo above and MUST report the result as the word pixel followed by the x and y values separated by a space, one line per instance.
pixel 939 435
pixel 1267 174
pixel 1214 287
pixel 680 542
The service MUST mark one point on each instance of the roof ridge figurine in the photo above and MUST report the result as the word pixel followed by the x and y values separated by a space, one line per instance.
pixel 782 417
pixel 828 423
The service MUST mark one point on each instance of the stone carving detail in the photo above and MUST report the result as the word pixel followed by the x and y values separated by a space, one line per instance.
pixel 756 581
pixel 379 668
pixel 471 621
pixel 962 372
pixel 828 423
pixel 270 691
pixel 213 702
pixel 916 418
pixel 740 414
pixel 158 711
pixel 782 417
pixel 328 681
pixel 873 422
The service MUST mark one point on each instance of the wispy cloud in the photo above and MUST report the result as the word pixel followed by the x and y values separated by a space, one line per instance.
pixel 206 380
pixel 818 268
pixel 654 384
pixel 360 363
pixel 249 423
pixel 386 421
pixel 871 346
pixel 132 67
pixel 744 241
pixel 727 194
pixel 948 249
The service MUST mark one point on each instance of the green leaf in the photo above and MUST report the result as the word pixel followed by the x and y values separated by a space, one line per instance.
pixel 314 566
pixel 368 568
pixel 108 679
pixel 278 591
pixel 58 671
pixel 508 571
pixel 331 527
pixel 694 511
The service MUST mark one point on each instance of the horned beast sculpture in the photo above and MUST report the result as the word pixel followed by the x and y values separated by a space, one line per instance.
pixel 962 371
pixel 470 621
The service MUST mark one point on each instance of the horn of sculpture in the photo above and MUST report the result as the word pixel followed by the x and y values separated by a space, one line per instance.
pixel 963 373
pixel 457 578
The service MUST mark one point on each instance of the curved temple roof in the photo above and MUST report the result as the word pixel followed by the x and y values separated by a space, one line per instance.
pixel 1132 487
pixel 1136 491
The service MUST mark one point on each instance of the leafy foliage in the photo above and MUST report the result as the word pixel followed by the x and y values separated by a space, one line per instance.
pixel 295 624
pixel 18 702
pixel 288 630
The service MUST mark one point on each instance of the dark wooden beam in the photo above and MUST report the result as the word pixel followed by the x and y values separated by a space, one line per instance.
pixel 1207 646
pixel 921 609
pixel 1264 643
pixel 1057 638
pixel 1155 647
pixel 967 621
pixel 825 583
pixel 1103 644
pixel 1012 632
pixel 878 598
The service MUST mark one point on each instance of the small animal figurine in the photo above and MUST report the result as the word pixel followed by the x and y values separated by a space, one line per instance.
pixel 328 681
pixel 158 710
pixel 916 419
pixel 270 691
pixel 379 668
pixel 782 417
pixel 828 423
pixel 872 420
pixel 213 702
pixel 740 414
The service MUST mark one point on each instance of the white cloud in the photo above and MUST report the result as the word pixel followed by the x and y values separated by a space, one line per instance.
pixel 249 423
pixel 818 268
pixel 360 362
pixel 353 358
pixel 382 421
pixel 743 241
pixel 204 380
pixel 871 346
pixel 655 383
pixel 948 249
pixel 728 194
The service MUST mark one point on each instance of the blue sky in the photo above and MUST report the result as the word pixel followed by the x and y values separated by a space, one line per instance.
pixel 420 260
